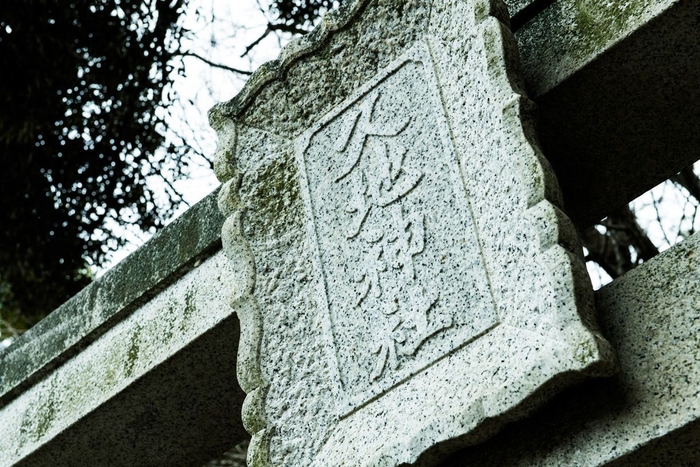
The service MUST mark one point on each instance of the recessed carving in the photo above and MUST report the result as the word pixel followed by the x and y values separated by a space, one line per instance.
pixel 400 259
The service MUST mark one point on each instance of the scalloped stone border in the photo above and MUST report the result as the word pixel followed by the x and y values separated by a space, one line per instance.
pixel 558 238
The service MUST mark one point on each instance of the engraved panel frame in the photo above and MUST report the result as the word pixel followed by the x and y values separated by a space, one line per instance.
pixel 418 53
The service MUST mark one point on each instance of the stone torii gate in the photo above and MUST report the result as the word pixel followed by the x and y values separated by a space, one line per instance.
pixel 378 258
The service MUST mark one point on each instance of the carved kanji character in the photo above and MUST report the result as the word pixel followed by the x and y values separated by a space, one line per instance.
pixel 386 350
pixel 417 318
pixel 373 264
pixel 407 240
pixel 392 180
pixel 352 139
pixel 358 204
pixel 380 184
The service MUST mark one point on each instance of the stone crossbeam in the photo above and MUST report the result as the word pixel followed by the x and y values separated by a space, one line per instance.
pixel 616 84
pixel 647 415
pixel 138 369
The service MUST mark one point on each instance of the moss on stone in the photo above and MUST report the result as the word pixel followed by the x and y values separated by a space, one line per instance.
pixel 132 353
pixel 188 311
pixel 600 25
pixel 129 284
pixel 38 420
pixel 585 29
pixel 586 352
pixel 273 201
pixel 46 415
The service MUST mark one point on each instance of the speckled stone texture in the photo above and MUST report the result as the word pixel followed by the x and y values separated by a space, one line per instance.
pixel 405 278
pixel 646 416
pixel 136 369
pixel 170 254
pixel 154 389
pixel 518 8
pixel 613 81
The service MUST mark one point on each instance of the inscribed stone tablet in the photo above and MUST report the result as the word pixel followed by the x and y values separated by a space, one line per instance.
pixel 406 282
pixel 380 178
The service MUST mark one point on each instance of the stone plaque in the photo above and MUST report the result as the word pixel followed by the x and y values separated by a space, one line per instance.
pixel 406 280
pixel 392 230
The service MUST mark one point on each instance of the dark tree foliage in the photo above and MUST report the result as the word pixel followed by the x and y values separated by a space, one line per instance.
pixel 79 88
pixel 300 13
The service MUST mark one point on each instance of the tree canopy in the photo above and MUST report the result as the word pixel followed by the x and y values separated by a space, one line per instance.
pixel 78 135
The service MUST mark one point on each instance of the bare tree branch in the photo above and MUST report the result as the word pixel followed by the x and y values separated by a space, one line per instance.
pixel 611 250
pixel 271 27
pixel 290 28
pixel 252 45
pixel 688 179
pixel 214 64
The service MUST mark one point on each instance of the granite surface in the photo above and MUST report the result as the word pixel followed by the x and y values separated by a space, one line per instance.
pixel 616 87
pixel 523 11
pixel 131 283
pixel 648 414
pixel 407 280
pixel 156 389
pixel 630 67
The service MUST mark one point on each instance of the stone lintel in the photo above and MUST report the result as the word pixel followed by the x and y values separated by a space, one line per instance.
pixel 636 75
pixel 564 72
pixel 131 283
pixel 652 400
pixel 397 223
pixel 616 85
pixel 649 414
pixel 523 11
pixel 157 388
pixel 560 73
pixel 516 6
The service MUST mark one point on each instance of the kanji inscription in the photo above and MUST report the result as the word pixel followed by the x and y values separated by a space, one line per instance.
pixel 394 236
pixel 405 279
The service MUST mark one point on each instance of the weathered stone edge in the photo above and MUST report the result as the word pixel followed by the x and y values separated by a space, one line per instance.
pixel 581 37
pixel 559 241
pixel 135 280
pixel 299 47
pixel 605 422
pixel 234 243
pixel 249 373
pixel 304 45
pixel 560 245
pixel 558 237
pixel 523 11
